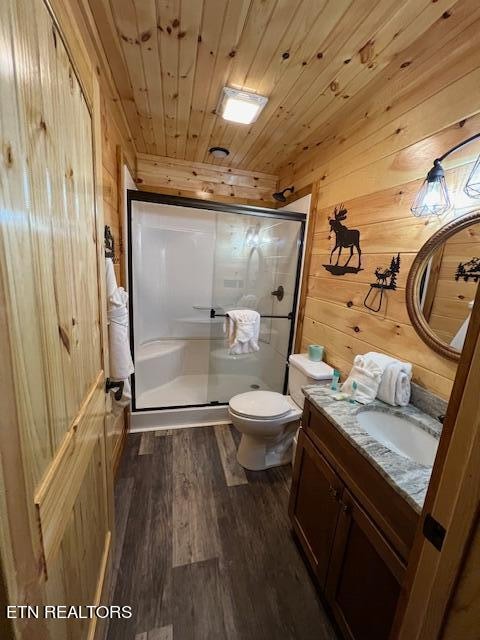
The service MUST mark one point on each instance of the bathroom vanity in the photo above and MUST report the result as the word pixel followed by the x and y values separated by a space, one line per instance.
pixel 354 506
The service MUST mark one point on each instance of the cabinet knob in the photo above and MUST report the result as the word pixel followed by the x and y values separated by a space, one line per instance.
pixel 333 492
pixel 345 508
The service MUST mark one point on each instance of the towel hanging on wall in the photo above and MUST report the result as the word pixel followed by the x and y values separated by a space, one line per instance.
pixel 121 364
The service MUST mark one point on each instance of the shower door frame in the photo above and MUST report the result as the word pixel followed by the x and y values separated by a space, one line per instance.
pixel 209 205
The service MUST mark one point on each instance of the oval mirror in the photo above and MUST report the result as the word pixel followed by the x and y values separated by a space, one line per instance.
pixel 442 284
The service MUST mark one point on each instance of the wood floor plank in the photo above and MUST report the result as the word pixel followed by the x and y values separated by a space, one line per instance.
pixel 208 561
pixel 129 453
pixel 144 576
pixel 162 433
pixel 261 543
pixel 202 608
pixel 123 500
pixel 146 444
pixel 234 472
pixel 161 633
pixel 195 523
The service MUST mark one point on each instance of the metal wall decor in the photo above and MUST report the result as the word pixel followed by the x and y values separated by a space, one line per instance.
pixel 386 281
pixel 345 238
pixel 109 244
pixel 468 270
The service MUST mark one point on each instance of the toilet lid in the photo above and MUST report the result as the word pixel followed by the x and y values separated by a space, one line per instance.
pixel 260 404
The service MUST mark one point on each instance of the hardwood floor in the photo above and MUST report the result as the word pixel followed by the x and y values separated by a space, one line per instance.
pixel 204 549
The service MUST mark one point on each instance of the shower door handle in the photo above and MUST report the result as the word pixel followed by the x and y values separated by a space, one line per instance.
pixel 279 293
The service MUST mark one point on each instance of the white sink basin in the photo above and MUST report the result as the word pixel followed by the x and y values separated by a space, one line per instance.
pixel 400 435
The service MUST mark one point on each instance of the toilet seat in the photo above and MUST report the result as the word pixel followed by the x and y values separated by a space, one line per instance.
pixel 262 405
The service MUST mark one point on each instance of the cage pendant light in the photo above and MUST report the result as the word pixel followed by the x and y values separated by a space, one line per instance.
pixel 472 186
pixel 433 198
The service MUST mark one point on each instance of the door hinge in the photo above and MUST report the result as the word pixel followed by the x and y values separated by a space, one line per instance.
pixel 110 385
pixel 433 531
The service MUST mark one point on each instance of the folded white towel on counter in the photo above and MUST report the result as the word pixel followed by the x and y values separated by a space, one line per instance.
pixel 242 328
pixel 367 375
pixel 394 387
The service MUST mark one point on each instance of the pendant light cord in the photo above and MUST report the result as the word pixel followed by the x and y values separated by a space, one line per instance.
pixel 458 146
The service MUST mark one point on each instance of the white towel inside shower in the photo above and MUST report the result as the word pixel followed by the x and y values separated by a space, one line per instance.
pixel 121 364
pixel 242 328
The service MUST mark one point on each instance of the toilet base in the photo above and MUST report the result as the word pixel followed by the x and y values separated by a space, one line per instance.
pixel 258 454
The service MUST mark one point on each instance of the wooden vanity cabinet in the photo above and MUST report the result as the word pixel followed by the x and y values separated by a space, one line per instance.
pixel 364 577
pixel 316 507
pixel 358 569
pixel 394 516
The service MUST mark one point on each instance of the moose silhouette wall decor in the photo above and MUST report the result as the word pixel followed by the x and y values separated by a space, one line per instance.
pixel 345 238
pixel 386 280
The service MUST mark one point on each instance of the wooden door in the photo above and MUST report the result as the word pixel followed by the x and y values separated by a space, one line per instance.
pixel 314 504
pixel 55 491
pixel 364 577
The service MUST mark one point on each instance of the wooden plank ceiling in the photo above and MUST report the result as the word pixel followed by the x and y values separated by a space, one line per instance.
pixel 171 58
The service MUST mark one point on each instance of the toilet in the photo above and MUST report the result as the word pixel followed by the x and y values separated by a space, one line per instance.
pixel 268 420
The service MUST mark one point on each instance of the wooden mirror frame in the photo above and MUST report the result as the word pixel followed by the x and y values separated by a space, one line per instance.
pixel 417 318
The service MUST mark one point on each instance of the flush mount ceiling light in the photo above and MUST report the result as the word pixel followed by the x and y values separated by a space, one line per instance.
pixel 219 152
pixel 433 198
pixel 238 106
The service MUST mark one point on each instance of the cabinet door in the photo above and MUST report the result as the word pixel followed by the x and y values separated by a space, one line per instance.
pixel 314 505
pixel 365 576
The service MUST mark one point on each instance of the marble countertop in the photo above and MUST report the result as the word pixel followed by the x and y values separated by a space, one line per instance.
pixel 407 477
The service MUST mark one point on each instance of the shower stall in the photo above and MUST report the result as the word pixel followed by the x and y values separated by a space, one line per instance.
pixel 190 262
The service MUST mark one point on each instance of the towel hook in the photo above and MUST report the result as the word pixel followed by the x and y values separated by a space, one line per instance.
pixel 109 244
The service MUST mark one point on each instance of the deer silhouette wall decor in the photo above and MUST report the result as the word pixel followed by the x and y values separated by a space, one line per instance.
pixel 345 238
pixel 386 280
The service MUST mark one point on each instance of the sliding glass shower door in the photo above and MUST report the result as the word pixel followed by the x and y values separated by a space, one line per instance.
pixel 190 263
pixel 255 267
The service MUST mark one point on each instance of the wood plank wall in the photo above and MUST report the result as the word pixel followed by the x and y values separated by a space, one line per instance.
pixel 112 182
pixel 113 159
pixel 427 88
pixel 206 181
pixel 371 159
pixel 117 149
pixel 334 313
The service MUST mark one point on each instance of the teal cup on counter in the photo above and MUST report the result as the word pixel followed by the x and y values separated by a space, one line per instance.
pixel 315 352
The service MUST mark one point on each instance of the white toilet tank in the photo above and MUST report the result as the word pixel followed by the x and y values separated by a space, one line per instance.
pixel 303 371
